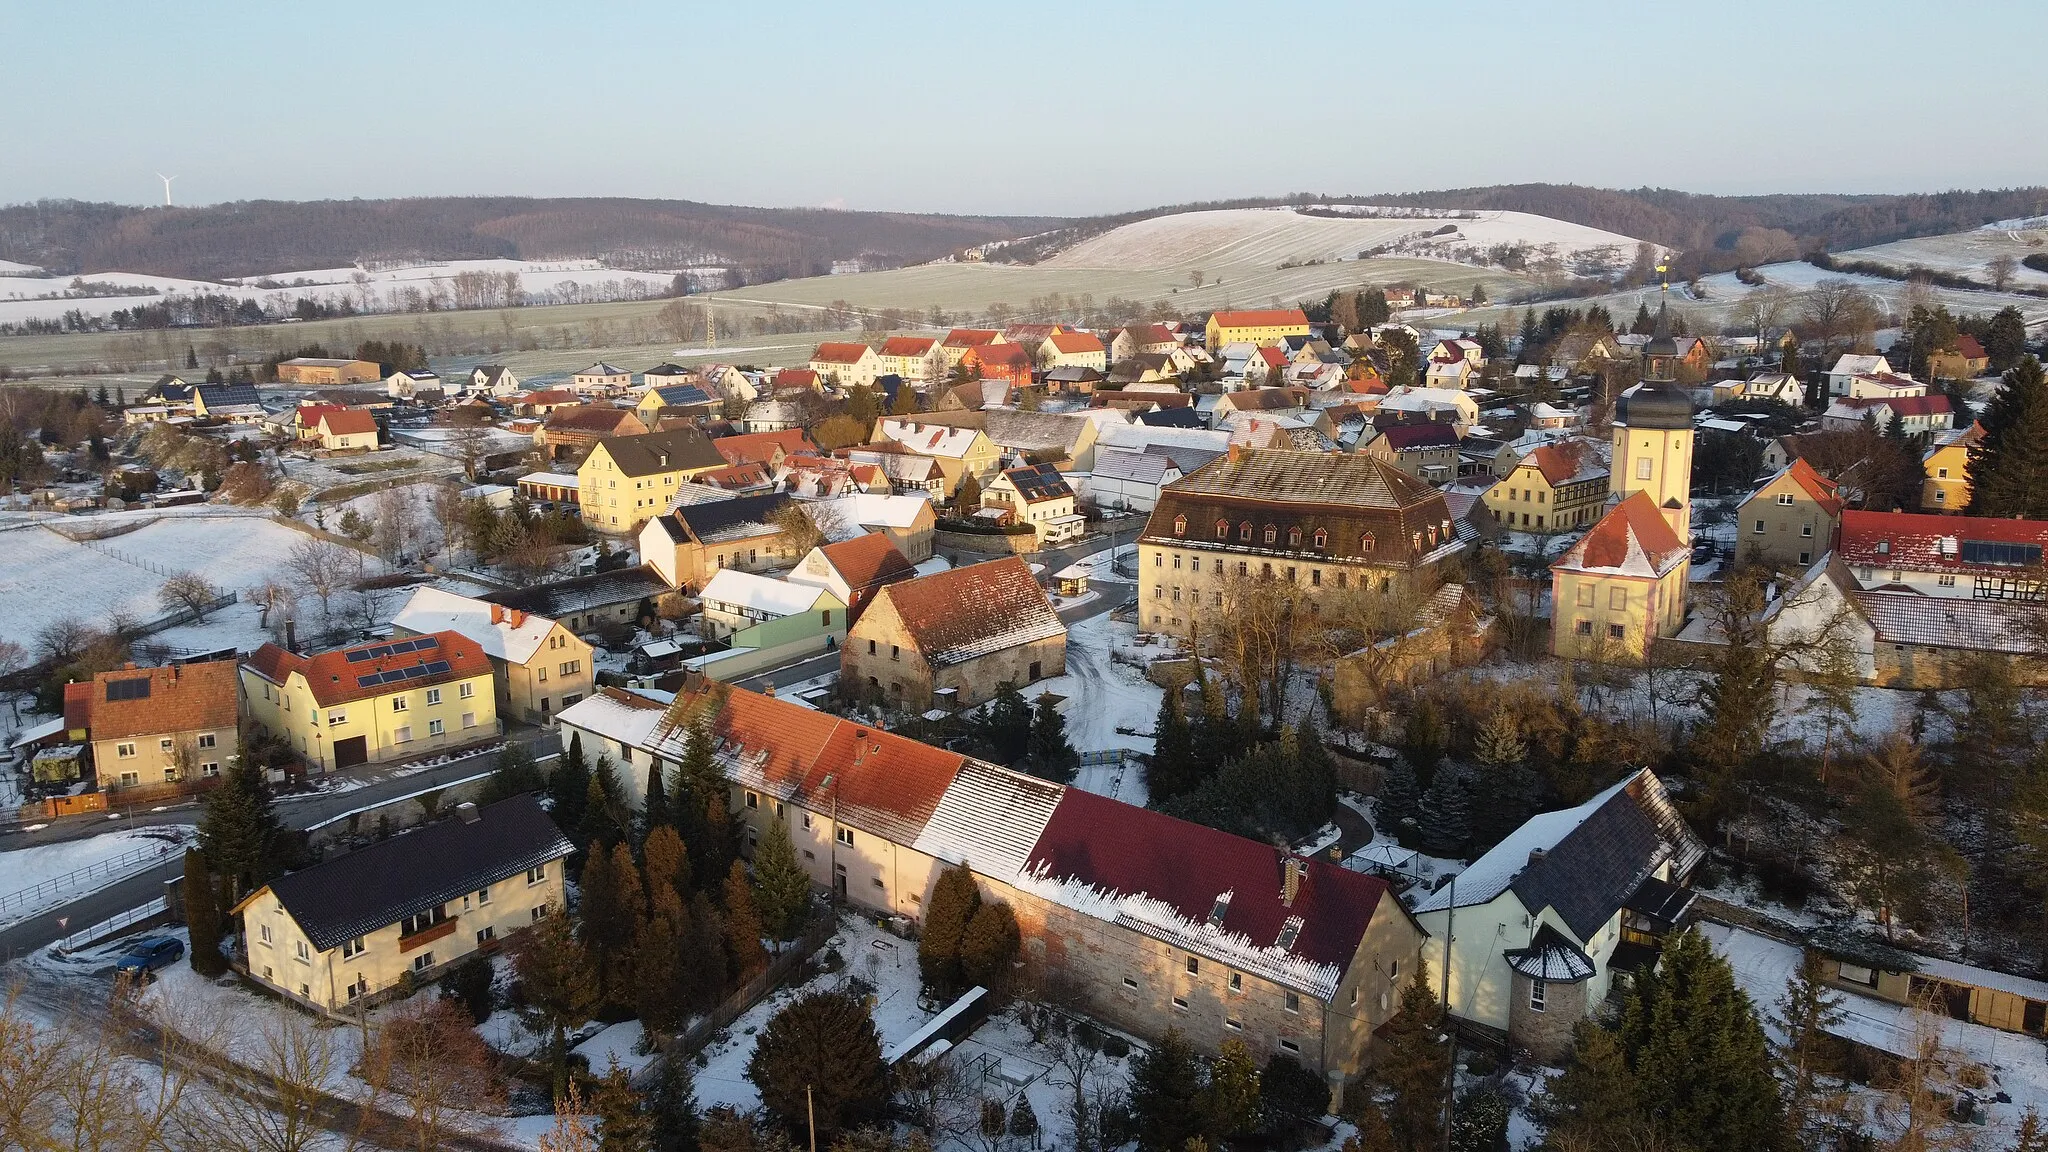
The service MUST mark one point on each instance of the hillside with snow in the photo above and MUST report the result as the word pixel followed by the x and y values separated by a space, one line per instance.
pixel 1967 253
pixel 1271 237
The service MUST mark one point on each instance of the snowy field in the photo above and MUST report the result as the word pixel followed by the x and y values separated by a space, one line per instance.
pixel 46 577
pixel 1264 237
pixel 1967 253
pixel 383 290
pixel 33 879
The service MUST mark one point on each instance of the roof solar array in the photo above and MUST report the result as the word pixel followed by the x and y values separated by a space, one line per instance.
pixel 416 644
pixel 415 672
pixel 136 688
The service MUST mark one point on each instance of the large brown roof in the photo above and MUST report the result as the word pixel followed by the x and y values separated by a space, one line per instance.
pixel 868 561
pixel 600 419
pixel 1071 343
pixel 678 449
pixel 957 615
pixel 839 352
pixel 365 671
pixel 1632 538
pixel 908 345
pixel 756 447
pixel 148 701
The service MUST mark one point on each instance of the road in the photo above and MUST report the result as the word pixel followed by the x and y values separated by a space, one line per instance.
pixel 300 810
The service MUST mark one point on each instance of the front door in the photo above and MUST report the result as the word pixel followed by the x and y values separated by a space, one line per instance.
pixel 351 752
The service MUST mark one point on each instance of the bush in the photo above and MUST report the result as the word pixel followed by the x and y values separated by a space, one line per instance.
pixel 469 984
pixel 1115 1046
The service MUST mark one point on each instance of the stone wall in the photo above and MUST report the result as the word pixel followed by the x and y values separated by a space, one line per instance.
pixel 1547 1035
pixel 985 543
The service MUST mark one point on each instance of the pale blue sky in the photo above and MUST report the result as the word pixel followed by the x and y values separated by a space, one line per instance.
pixel 1057 108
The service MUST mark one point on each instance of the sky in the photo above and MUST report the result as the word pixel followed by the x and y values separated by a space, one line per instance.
pixel 1040 109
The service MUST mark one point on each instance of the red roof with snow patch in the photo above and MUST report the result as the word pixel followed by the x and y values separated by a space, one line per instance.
pixel 959 614
pixel 970 337
pixel 1133 851
pixel 839 352
pixel 1917 542
pixel 1633 535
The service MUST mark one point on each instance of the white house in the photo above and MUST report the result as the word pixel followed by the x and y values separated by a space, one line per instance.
pixel 1852 365
pixel 493 380
pixel 419 387
pixel 1129 479
pixel 1533 923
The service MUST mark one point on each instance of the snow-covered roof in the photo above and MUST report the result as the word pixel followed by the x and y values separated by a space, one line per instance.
pixel 627 718
pixel 989 818
pixel 868 508
pixel 504 634
pixel 929 439
pixel 760 593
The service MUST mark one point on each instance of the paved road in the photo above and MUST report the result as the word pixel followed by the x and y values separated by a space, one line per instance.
pixel 86 911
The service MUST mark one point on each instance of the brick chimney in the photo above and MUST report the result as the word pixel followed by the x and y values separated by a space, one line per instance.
pixel 1290 879
pixel 515 617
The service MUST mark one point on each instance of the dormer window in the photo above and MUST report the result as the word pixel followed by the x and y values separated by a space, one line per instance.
pixel 1222 529
pixel 1290 931
pixel 1244 531
pixel 1294 537
pixel 1272 533
pixel 1180 525
pixel 1884 547
pixel 1322 538
pixel 1365 544
pixel 1218 910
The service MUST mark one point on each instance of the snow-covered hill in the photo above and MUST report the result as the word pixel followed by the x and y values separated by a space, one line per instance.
pixel 1269 237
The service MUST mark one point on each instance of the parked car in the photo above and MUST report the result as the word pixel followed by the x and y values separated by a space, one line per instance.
pixel 148 955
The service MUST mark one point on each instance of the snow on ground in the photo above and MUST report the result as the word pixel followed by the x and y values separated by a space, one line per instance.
pixel 1966 253
pixel 1105 694
pixel 1266 237
pixel 872 955
pixel 44 876
pixel 619 1042
pixel 46 576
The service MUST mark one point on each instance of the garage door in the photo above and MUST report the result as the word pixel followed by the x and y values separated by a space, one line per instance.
pixel 351 752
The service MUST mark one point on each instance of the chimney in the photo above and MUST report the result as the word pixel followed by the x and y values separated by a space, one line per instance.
pixel 1290 880
pixel 768 690
pixel 291 636
pixel 1237 450
pixel 1537 856
pixel 466 811
pixel 497 613
pixel 515 617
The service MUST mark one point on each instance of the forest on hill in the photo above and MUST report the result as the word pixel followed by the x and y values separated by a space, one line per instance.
pixel 260 237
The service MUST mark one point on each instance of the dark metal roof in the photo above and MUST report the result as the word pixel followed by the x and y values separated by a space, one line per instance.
pixel 1654 405
pixel 1592 872
pixel 715 516
pixel 1173 418
pixel 1552 958
pixel 378 886
pixel 568 597
pixel 1660 900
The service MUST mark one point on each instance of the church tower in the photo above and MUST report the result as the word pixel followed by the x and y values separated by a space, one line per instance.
pixel 1653 435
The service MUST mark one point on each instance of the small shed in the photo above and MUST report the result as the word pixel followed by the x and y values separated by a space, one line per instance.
pixel 1072 580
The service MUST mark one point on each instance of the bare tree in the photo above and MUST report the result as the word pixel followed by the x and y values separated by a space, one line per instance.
pixel 1763 310
pixel 1836 312
pixel 440 1069
pixel 396 524
pixel 322 568
pixel 62 640
pixel 2002 268
pixel 799 531
pixel 188 591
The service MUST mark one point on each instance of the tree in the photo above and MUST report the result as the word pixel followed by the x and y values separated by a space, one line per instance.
pixel 239 831
pixel 2001 269
pixel 607 817
pixel 1230 1100
pixel 569 786
pixel 1803 1016
pixel 954 899
pixel 1051 756
pixel 608 917
pixel 515 773
pixel 1592 1104
pixel 1701 1062
pixel 673 1104
pixel 1739 696
pixel 1400 798
pixel 1444 823
pixel 623 1123
pixel 821 1058
pixel 2009 466
pixel 188 592
pixel 799 530
pixel 1166 1093
pixel 662 995
pixel 967 496
pixel 742 924
pixel 782 889
pixel 989 945
pixel 1174 769
pixel 906 401
pixel 1479 1122
pixel 2005 338
pixel 203 915
pixel 437 1064
pixel 1007 726
pixel 557 983
pixel 1415 1069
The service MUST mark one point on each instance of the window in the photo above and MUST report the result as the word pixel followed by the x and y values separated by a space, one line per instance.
pixel 877 881
pixel 210 768
pixel 539 911
pixel 1290 1046
pixel 1537 991
pixel 1237 981
pixel 485 934
pixel 1179 1005
pixel 1785 499
pixel 1616 631
pixel 807 819
pixel 1233 1025
pixel 1582 627
pixel 536 874
pixel 753 800
pixel 1159 559
pixel 1946 581
pixel 1759 527
pixel 844 836
pixel 1315 577
pixel 1180 525
pixel 1858 974
pixel 436 727
pixel 1195 564
pixel 125 751
pixel 1194 965
pixel 423 961
pixel 164 744
pixel 469 719
pixel 1365 544
pixel 483 896
pixel 1643 468
pixel 1272 533
pixel 895 652
pixel 1291 1002
pixel 465 691
pixel 1222 529
pixel 356 990
pixel 1294 537
pixel 299 950
pixel 572 667
pixel 206 740
pixel 402 735
pixel 1322 538
pixel 871 647
pixel 540 675
pixel 433 697
pixel 337 716
pixel 400 703
pixel 1244 532
pixel 1130 983
pixel 421 921
pixel 1941 473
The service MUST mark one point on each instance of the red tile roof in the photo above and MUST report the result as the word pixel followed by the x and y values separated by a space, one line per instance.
pixel 907 345
pixel 796 378
pixel 872 779
pixel 1151 335
pixel 1818 488
pixel 867 563
pixel 1633 535
pixel 335 679
pixel 309 415
pixel 1968 348
pixel 755 447
pixel 970 337
pixel 1916 542
pixel 1401 437
pixel 839 352
pixel 78 704
pixel 1073 343
pixel 1263 318
pixel 999 356
pixel 1273 356
pixel 348 422
pixel 1131 851
pixel 598 419
pixel 1920 405
pixel 149 701
pixel 959 614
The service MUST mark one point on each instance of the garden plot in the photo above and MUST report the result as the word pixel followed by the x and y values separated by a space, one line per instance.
pixel 46 577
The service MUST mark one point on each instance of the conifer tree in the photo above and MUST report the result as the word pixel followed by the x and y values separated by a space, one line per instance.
pixel 1702 1064
pixel 665 865
pixel 705 953
pixel 1230 1100
pixel 2033 1134
pixel 1400 800
pixel 988 945
pixel 661 994
pixel 569 787
pixel 558 983
pixel 654 809
pixel 821 1059
pixel 1166 1093
pixel 239 831
pixel 1007 726
pixel 2009 467
pixel 967 496
pixel 514 774
pixel 742 924
pixel 1594 1099
pixel 952 905
pixel 673 1105
pixel 599 831
pixel 623 1124
pixel 1444 822
pixel 1051 756
pixel 1803 1015
pixel 782 889
pixel 1172 771
pixel 608 915
pixel 203 915
pixel 1415 1068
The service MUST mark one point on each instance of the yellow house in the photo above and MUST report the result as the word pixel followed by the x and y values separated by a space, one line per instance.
pixel 540 667
pixel 349 429
pixel 1621 586
pixel 1261 327
pixel 628 480
pixel 957 451
pixel 1946 463
pixel 848 364
pixel 1073 350
pixel 1790 520
pixel 601 377
pixel 157 725
pixel 1552 489
pixel 917 359
pixel 368 703
pixel 360 928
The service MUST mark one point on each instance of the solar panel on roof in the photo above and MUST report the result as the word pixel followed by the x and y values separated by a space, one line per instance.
pixel 436 667
pixel 369 681
pixel 416 672
pixel 130 689
pixel 358 657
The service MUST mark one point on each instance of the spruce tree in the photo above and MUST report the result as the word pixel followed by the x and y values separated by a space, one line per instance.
pixel 821 1059
pixel 1051 756
pixel 623 1124
pixel 1166 1094
pixel 988 945
pixel 608 915
pixel 1230 1100
pixel 515 774
pixel 1172 771
pixel 599 829
pixel 203 915
pixel 1415 1068
pixel 1803 1015
pixel 569 787
pixel 782 889
pixel 654 809
pixel 661 994
pixel 1594 1099
pixel 1007 726
pixel 239 830
pixel 1701 1061
pixel 705 956
pixel 673 1105
pixel 1444 824
pixel 2009 467
pixel 742 924
pixel 952 905
pixel 665 865
pixel 1400 799
pixel 559 985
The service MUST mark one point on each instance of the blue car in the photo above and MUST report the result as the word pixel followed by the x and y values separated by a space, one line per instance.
pixel 149 955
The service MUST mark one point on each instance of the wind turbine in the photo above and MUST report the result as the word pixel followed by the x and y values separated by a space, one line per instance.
pixel 167 187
